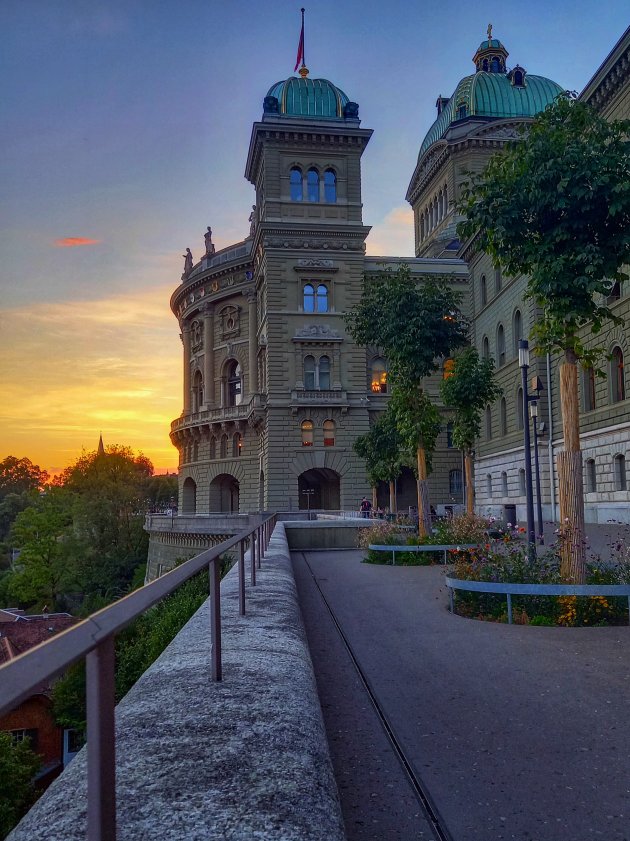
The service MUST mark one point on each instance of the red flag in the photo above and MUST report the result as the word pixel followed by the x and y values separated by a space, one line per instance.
pixel 300 52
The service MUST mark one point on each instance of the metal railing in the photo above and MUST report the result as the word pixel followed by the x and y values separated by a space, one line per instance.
pixel 515 589
pixel 94 638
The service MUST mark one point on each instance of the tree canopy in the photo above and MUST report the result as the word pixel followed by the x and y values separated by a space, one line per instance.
pixel 20 475
pixel 381 447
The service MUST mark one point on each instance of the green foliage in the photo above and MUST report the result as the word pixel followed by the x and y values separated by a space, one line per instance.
pixel 468 389
pixel 381 448
pixel 417 419
pixel 20 475
pixel 162 491
pixel 18 766
pixel 555 205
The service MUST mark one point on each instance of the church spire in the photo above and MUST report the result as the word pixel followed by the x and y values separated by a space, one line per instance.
pixel 100 451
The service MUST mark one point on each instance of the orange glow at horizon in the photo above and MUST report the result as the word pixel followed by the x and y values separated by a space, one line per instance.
pixel 76 369
pixel 73 242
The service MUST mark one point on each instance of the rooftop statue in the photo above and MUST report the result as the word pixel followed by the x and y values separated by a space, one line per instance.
pixel 210 249
pixel 188 261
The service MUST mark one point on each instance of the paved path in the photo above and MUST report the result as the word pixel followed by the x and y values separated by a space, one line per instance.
pixel 516 732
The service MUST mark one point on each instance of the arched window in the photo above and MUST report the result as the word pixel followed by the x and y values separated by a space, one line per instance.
pixel 489 485
pixel 309 372
pixel 446 198
pixel 497 280
pixel 448 368
pixel 617 376
pixel 504 484
pixel 189 496
pixel 518 79
pixel 329 433
pixel 237 444
pixel 462 111
pixel 379 376
pixel 519 409
pixel 309 298
pixel 588 389
pixel 224 445
pixel 517 330
pixel 495 65
pixel 322 298
pixel 324 373
pixel 197 391
pixel 485 65
pixel 522 486
pixel 330 186
pixel 500 345
pixel 421 227
pixel 503 416
pixel 307 433
pixel 488 416
pixel 212 448
pixel 195 451
pixel 234 384
pixel 484 290
pixel 312 185
pixel 295 179
pixel 449 434
pixel 620 473
pixel 455 483
pixel 591 476
pixel 485 347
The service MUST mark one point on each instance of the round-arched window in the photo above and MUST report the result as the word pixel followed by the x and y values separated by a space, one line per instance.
pixel 234 384
pixel 295 180
pixel 330 186
pixel 329 433
pixel 312 184
pixel 307 433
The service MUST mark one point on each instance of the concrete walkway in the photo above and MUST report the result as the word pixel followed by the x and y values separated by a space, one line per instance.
pixel 516 732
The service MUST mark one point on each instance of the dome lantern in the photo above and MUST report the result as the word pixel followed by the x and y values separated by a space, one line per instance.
pixel 306 97
pixel 491 55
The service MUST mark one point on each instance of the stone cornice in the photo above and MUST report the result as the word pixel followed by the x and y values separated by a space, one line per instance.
pixel 610 76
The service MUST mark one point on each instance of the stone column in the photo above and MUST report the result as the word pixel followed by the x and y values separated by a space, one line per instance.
pixel 253 343
pixel 208 358
pixel 185 335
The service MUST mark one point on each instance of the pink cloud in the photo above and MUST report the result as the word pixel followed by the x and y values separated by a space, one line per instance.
pixel 72 242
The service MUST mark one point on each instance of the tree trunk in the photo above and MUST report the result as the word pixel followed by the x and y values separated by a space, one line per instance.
pixel 374 498
pixel 470 489
pixel 392 496
pixel 424 508
pixel 570 483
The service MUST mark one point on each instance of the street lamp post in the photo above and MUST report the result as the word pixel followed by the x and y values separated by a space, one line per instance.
pixel 533 410
pixel 308 493
pixel 523 361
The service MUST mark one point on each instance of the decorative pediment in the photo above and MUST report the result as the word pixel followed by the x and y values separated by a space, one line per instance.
pixel 500 131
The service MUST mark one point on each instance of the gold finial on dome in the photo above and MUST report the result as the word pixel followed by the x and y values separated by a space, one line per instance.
pixel 303 71
pixel 489 30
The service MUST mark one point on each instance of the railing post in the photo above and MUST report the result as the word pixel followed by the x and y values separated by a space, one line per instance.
pixel 252 558
pixel 451 599
pixel 101 738
pixel 215 619
pixel 509 608
pixel 260 547
pixel 241 578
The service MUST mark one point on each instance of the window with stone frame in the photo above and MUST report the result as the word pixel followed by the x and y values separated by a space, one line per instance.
pixel 588 389
pixel 503 416
pixel 224 445
pixel 591 476
pixel 484 290
pixel 378 377
pixel 330 186
pixel 307 433
pixel 329 433
pixel 312 185
pixel 517 331
pixel 500 346
pixel 237 444
pixel 522 485
pixel 617 376
pixel 315 296
pixel 234 383
pixel 317 373
pixel 455 482
pixel 295 184
pixel 621 482
pixel 504 484
pixel 485 348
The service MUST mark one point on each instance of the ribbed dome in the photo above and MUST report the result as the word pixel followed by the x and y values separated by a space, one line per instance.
pixel 492 95
pixel 304 97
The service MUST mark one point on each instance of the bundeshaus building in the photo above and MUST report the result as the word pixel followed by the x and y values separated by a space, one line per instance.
pixel 275 389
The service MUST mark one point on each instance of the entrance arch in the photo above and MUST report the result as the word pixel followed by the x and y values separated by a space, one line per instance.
pixel 189 496
pixel 224 494
pixel 323 486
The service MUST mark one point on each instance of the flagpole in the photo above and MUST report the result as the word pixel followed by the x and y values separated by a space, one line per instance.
pixel 303 39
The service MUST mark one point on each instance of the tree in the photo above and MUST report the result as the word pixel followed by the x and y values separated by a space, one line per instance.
pixel 381 447
pixel 415 325
pixel 555 206
pixel 18 766
pixel 467 389
pixel 19 475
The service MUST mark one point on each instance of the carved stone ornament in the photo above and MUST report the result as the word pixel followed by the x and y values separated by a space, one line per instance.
pixel 317 332
pixel 196 334
pixel 230 321
pixel 315 263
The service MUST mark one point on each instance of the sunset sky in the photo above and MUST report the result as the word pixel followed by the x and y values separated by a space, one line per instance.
pixel 124 133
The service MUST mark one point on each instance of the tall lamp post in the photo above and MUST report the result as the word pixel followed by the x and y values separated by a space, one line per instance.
pixel 523 361
pixel 533 411
pixel 308 493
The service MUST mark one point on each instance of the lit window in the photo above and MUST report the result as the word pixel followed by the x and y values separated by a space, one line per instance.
pixel 330 186
pixel 617 375
pixel 620 473
pixel 379 376
pixel 309 372
pixel 307 433
pixel 448 368
pixel 329 433
pixel 237 444
pixel 296 184
pixel 312 184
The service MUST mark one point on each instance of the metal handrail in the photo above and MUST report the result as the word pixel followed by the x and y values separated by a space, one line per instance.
pixel 93 638
pixel 516 589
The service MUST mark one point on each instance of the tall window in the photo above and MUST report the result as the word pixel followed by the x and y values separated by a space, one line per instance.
pixel 503 416
pixel 237 444
pixel 329 433
pixel 500 345
pixel 317 373
pixel 307 433
pixel 620 473
pixel 322 298
pixel 312 185
pixel 224 446
pixel 495 65
pixel 522 486
pixel 519 409
pixel 212 448
pixel 591 476
pixel 517 330
pixel 614 293
pixel 484 290
pixel 309 372
pixel 324 373
pixel 462 112
pixel 449 434
pixel 234 384
pixel 309 298
pixel 504 484
pixel 315 300
pixel 617 376
pixel 489 485
pixel 497 280
pixel 588 388
pixel 295 180
pixel 485 348
pixel 379 376
pixel 330 186
pixel 455 483
pixel 488 423
pixel 197 391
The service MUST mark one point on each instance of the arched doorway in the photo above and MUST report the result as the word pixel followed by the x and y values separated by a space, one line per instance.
pixel 319 488
pixel 189 496
pixel 224 494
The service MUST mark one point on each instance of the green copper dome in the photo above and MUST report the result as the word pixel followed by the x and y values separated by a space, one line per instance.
pixel 304 97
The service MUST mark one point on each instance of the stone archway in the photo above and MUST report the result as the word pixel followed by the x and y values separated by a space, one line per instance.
pixel 224 494
pixel 319 488
pixel 189 496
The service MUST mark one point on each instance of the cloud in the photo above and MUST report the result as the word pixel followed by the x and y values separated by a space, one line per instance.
pixel 393 235
pixel 72 242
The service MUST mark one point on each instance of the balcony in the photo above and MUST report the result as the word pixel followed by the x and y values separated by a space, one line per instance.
pixel 307 397
pixel 227 413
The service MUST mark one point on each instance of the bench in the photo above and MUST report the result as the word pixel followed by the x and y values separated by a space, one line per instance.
pixel 427 547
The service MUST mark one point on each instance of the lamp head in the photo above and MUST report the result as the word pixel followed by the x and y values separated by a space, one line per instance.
pixel 523 353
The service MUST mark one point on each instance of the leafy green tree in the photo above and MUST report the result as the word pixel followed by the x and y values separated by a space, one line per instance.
pixel 468 388
pixel 162 491
pixel 18 766
pixel 555 206
pixel 18 475
pixel 415 324
pixel 381 447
